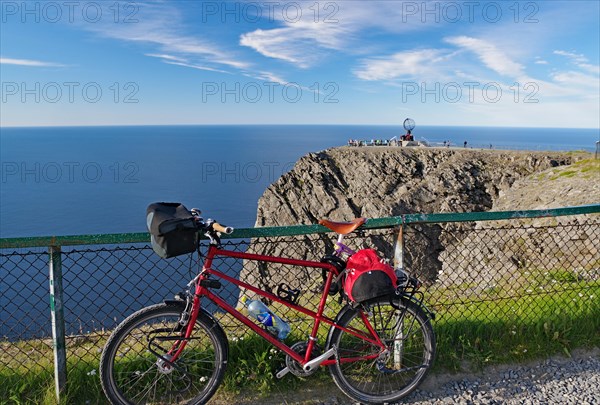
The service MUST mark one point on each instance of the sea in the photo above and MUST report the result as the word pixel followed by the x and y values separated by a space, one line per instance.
pixel 92 180
pixel 97 180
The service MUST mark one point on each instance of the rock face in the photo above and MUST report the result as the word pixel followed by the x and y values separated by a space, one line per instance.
pixel 505 251
pixel 348 182
pixel 562 186
pixel 344 183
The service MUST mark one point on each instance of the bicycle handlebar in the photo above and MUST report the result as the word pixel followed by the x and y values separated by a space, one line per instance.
pixel 210 224
pixel 220 228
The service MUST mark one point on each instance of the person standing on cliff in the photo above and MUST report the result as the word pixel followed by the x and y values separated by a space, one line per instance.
pixel 465 144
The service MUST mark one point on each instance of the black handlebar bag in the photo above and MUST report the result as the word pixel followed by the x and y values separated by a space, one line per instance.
pixel 173 230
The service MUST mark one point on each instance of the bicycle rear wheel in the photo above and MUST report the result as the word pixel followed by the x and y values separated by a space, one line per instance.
pixel 133 369
pixel 399 368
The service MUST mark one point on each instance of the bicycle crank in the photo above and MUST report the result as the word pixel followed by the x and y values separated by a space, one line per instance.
pixel 316 362
pixel 294 367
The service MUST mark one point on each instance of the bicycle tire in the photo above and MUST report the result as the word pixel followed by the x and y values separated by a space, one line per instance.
pixel 410 340
pixel 132 372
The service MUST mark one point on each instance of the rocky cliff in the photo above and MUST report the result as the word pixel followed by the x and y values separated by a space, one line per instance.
pixel 348 182
pixel 344 183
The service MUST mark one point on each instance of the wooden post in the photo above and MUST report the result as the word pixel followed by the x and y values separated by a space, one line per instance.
pixel 58 320
pixel 399 249
pixel 399 332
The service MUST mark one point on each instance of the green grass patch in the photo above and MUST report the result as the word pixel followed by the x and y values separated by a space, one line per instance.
pixel 506 331
pixel 568 173
pixel 470 335
pixel 586 168
pixel 34 386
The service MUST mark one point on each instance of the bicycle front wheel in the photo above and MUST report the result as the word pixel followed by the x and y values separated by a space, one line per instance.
pixel 371 374
pixel 135 367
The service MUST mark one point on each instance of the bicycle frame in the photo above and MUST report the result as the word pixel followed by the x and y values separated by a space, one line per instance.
pixel 319 318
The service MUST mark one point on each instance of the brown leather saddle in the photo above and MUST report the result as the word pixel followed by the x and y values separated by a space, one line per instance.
pixel 343 228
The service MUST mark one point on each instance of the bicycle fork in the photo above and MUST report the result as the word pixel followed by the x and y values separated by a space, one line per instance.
pixel 166 362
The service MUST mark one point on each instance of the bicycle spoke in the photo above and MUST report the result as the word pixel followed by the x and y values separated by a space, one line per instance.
pixel 138 367
pixel 399 367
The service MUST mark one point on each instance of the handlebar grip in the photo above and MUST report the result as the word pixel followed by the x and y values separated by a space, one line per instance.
pixel 220 228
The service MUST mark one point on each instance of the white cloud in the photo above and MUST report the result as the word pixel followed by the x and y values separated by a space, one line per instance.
pixel 324 27
pixel 193 66
pixel 301 43
pixel 489 54
pixel 177 46
pixel 166 57
pixel 408 64
pixel 275 44
pixel 268 77
pixel 28 62
pixel 579 58
pixel 580 61
pixel 593 69
pixel 162 25
pixel 541 62
pixel 572 78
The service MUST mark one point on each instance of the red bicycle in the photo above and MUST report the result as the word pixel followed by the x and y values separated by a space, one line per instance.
pixel 377 351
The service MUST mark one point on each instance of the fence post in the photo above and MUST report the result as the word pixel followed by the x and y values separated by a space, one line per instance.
pixel 58 320
pixel 399 248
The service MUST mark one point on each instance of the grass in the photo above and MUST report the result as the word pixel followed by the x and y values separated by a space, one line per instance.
pixel 469 336
pixel 587 169
pixel 478 334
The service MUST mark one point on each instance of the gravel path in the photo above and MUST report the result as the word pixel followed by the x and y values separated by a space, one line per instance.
pixel 558 380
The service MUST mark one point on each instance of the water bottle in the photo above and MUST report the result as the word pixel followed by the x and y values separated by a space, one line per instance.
pixel 263 314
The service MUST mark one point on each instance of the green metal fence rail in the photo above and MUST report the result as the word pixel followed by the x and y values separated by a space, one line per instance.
pixel 293 230
pixel 467 260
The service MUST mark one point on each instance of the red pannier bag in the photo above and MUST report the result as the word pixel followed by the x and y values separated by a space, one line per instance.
pixel 367 277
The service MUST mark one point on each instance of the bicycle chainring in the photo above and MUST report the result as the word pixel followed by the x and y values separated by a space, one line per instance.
pixel 294 367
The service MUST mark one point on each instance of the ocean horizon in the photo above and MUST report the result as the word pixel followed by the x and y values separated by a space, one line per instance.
pixel 93 180
pixel 100 179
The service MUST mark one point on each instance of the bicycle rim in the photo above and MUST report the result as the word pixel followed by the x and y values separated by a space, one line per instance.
pixel 135 366
pixel 399 368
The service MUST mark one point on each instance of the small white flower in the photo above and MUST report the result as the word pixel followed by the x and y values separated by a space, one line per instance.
pixel 580 295
pixel 203 379
pixel 592 296
pixel 514 332
pixel 93 372
pixel 529 291
pixel 524 350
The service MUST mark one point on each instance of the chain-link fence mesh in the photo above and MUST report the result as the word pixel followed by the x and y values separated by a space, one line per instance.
pixel 467 268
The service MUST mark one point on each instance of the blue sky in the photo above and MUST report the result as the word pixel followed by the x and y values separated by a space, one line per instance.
pixel 498 63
